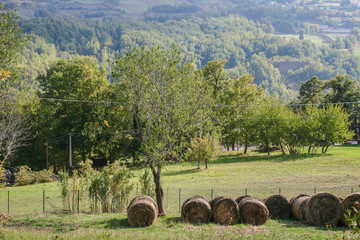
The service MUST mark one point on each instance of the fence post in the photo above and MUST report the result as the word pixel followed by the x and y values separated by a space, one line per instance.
pixel 179 199
pixel 43 201
pixel 314 190
pixel 279 190
pixel 352 190
pixel 212 193
pixel 8 201
pixel 245 191
pixel 78 205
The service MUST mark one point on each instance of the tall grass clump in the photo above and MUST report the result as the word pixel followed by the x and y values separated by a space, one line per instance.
pixel 147 184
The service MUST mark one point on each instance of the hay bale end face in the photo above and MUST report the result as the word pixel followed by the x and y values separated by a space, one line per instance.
pixel 142 211
pixel 298 207
pixel 323 209
pixel 349 202
pixel 279 206
pixel 214 200
pixel 225 211
pixel 253 211
pixel 196 210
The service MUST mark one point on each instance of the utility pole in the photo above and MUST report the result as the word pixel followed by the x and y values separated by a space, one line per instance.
pixel 70 154
pixel 47 155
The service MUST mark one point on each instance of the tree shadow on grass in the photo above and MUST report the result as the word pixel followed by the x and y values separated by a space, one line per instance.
pixel 116 223
pixel 263 158
pixel 292 223
pixel 187 171
pixel 173 220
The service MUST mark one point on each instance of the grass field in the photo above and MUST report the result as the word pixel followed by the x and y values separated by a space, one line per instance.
pixel 233 174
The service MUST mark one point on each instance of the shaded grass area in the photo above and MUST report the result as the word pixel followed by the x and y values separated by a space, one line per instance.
pixel 115 226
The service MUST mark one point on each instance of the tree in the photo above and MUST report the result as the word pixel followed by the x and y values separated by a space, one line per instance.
pixel 165 98
pixel 11 37
pixel 345 89
pixel 71 80
pixel 12 132
pixel 311 92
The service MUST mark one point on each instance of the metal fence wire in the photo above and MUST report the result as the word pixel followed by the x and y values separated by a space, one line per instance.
pixel 50 202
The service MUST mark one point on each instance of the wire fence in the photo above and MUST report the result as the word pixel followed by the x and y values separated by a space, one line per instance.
pixel 51 202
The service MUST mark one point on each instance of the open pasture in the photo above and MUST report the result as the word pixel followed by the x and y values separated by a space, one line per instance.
pixel 232 175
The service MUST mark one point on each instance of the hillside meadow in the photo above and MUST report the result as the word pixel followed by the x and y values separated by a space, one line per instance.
pixel 233 174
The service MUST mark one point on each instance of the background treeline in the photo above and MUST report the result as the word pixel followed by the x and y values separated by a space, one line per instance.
pixel 249 47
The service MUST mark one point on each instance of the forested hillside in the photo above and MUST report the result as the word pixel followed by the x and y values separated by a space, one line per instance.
pixel 248 47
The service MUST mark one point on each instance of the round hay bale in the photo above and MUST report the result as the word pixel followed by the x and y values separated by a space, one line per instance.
pixel 196 210
pixel 279 206
pixel 323 209
pixel 349 203
pixel 214 200
pixel 298 206
pixel 142 211
pixel 253 211
pixel 225 211
pixel 238 199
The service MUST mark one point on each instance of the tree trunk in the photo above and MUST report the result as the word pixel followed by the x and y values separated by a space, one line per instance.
pixel 309 150
pixel 206 163
pixel 282 149
pixel 245 148
pixel 268 147
pixel 233 146
pixel 158 189
pixel 199 164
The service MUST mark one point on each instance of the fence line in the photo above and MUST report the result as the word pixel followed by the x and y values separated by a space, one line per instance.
pixel 18 203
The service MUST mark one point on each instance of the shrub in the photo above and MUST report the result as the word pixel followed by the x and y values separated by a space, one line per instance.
pixel 352 218
pixel 24 176
pixel 44 175
pixel 147 184
pixel 206 149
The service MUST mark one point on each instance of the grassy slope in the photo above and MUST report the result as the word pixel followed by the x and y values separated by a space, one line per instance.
pixel 336 171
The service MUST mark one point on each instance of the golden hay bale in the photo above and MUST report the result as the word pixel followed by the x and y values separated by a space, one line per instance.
pixel 196 210
pixel 279 206
pixel 225 211
pixel 253 211
pixel 142 211
pixel 298 206
pixel 323 209
pixel 349 203
pixel 238 199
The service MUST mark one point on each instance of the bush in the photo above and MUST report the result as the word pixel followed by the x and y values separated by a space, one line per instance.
pixel 206 149
pixel 25 176
pixel 147 184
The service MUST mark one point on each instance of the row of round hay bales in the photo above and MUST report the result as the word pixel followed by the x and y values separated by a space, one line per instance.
pixel 322 209
pixel 224 210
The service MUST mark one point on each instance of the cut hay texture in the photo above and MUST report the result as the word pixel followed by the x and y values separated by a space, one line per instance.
pixel 349 203
pixel 298 207
pixel 225 211
pixel 196 210
pixel 279 206
pixel 323 209
pixel 142 211
pixel 253 211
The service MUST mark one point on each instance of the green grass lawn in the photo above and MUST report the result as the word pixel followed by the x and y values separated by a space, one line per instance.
pixel 232 175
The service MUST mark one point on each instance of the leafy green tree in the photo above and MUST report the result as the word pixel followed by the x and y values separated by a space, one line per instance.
pixel 206 148
pixel 311 92
pixel 165 98
pixel 345 89
pixel 73 80
pixel 12 38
